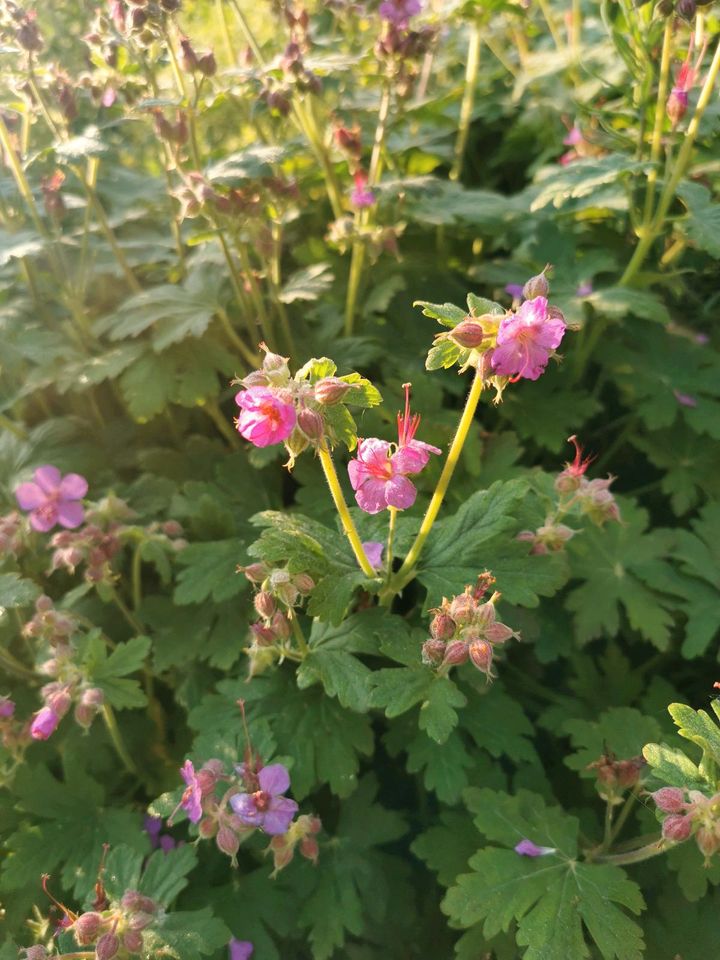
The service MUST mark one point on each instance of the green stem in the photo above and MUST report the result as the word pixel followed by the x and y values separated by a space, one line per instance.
pixel 7 424
pixel 624 814
pixel 299 636
pixel 227 39
pixel 407 570
pixel 357 261
pixel 391 541
pixel 550 20
pixel 136 577
pixel 656 143
pixel 212 409
pixel 234 339
pixel 472 68
pixel 607 832
pixel 13 665
pixel 683 158
pixel 653 849
pixel 341 507
pixel 117 740
pixel 131 619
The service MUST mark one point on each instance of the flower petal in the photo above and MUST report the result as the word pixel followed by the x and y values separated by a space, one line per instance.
pixel 279 815
pixel 70 513
pixel 44 519
pixel 374 551
pixel 243 805
pixel 29 496
pixel 73 486
pixel 48 478
pixel 274 779
pixel 400 492
pixel 370 495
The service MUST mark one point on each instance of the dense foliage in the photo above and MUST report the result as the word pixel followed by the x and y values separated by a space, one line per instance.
pixel 275 682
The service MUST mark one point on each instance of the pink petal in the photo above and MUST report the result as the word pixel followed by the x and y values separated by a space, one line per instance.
pixel 70 513
pixel 400 493
pixel 279 815
pixel 358 473
pixel 45 519
pixel 48 478
pixel 374 453
pixel 274 779
pixel 187 772
pixel 29 496
pixel 413 457
pixel 73 487
pixel 370 495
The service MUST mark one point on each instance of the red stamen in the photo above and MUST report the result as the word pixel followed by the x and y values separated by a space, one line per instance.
pixel 579 465
pixel 72 917
pixel 407 423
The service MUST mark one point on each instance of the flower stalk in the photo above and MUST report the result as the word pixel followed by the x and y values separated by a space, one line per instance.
pixel 349 527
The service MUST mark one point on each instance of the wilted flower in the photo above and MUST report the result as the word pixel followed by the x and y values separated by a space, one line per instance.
pixel 240 949
pixel 266 418
pixel 361 195
pixel 44 724
pixel 526 340
pixel 52 498
pixel 267 808
pixel 526 848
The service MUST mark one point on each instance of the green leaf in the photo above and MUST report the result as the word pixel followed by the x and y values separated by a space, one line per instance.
pixel 698 727
pixel 447 313
pixel 15 591
pixel 438 714
pixel 397 690
pixel 331 661
pixel 673 766
pixel 446 847
pixel 310 283
pixel 108 671
pixel 210 572
pixel 702 224
pixel 443 765
pixel 623 731
pixel 622 302
pixel 189 935
pixel 443 355
pixel 166 873
pixel 498 724
pixel 479 306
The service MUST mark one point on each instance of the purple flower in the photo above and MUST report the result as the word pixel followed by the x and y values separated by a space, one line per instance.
pixel 515 290
pixel 685 399
pixel 398 12
pixel 701 338
pixel 267 808
pixel 584 290
pixel 7 706
pixel 526 340
pixel 373 551
pixel 191 801
pixel 51 498
pixel 526 848
pixel 44 724
pixel 240 949
pixel 152 827
pixel 265 418
pixel 361 195
pixel 379 479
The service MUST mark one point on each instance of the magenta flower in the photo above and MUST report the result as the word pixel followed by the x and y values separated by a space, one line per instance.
pixel 191 800
pixel 373 551
pixel 158 840
pixel 526 848
pixel 240 949
pixel 685 399
pixel 361 195
pixel 51 498
pixel 44 724
pixel 265 418
pixel 526 340
pixel 7 707
pixel 573 137
pixel 398 12
pixel 515 290
pixel 267 808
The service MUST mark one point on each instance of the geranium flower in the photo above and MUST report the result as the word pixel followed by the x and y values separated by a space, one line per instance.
pixel 526 848
pixel 267 808
pixel 374 551
pixel 44 724
pixel 526 340
pixel 240 949
pixel 361 195
pixel 265 418
pixel 191 801
pixel 398 12
pixel 52 498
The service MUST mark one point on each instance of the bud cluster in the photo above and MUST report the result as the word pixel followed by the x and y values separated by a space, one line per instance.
pixel 466 629
pixel 690 812
pixel 400 48
pixel 615 776
pixel 303 835
pixel 20 27
pixel 117 930
pixel 11 529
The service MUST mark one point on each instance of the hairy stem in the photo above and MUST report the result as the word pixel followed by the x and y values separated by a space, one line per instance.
pixel 349 527
pixel 391 540
pixel 117 740
pixel 653 849
pixel 656 143
pixel 472 68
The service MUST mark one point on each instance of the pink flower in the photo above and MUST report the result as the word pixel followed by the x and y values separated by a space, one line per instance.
pixel 7 707
pixel 44 724
pixel 51 498
pixel 373 551
pixel 685 399
pixel 265 418
pixel 677 102
pixel 515 290
pixel 191 800
pixel 526 848
pixel 398 12
pixel 379 476
pixel 240 949
pixel 361 195
pixel 267 808
pixel 526 340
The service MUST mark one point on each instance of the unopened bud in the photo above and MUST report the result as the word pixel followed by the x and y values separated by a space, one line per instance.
pixel 262 635
pixel 468 334
pixel 87 927
pixel 677 104
pixel 628 772
pixel 686 8
pixel 311 424
pixel 265 604
pixel 309 848
pixel 330 390
pixel 227 841
pixel 669 799
pixel 462 608
pixel 36 952
pixel 107 946
pixel 677 827
pixel 171 528
pixel 442 627
pixel 188 59
pixel 43 604
pixel 139 921
pixel 207 828
pixel 304 583
pixel 7 708
pixel 255 572
pixel 708 841
pixel 537 286
pixel 133 941
pixel 207 65
pixel 498 633
pixel 481 655
pixel 456 652
pixel 433 652
pixel 135 902
pixel 273 362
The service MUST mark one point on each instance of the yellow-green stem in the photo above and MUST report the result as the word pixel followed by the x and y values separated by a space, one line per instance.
pixel 12 665
pixel 633 856
pixel 136 577
pixel 117 740
pixel 234 339
pixel 299 636
pixel 472 68
pixel 227 39
pixel 212 409
pixel 624 813
pixel 391 541
pixel 683 158
pixel 351 533
pixel 550 20
pixel 406 571
pixel 127 614
pixel 660 113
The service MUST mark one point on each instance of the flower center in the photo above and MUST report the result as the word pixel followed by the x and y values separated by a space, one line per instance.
pixel 271 413
pixel 261 799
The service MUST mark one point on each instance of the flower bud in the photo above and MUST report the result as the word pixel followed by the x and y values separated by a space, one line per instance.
pixel 107 946
pixel 7 708
pixel 686 8
pixel 468 334
pixel 274 363
pixel 37 952
pixel 304 583
pixel 628 772
pixel 537 286
pixel 135 902
pixel 433 652
pixel 44 724
pixel 140 920
pixel 309 848
pixel 669 799
pixel 442 627
pixel 255 572
pixel 484 615
pixel 263 636
pixel 43 604
pixel 171 528
pixel 677 104
pixel 59 702
pixel 708 841
pixel 87 928
pixel 456 652
pixel 311 424
pixel 676 827
pixel 462 608
pixel 481 654
pixel 265 604
pixel 207 828
pixel 227 841
pixel 207 65
pixel 133 941
pixel 330 390
pixel 498 633
pixel 280 626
